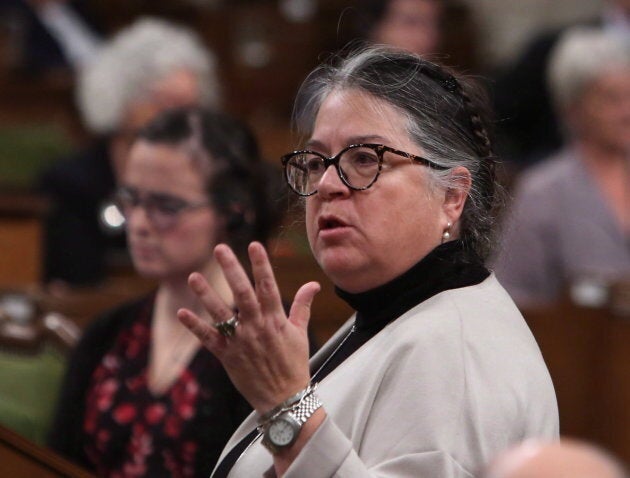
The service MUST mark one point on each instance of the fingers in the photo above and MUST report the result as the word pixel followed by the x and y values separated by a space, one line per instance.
pixel 209 298
pixel 301 307
pixel 244 295
pixel 267 290
pixel 206 333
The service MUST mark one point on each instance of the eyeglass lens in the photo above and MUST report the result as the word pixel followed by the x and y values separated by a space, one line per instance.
pixel 358 167
pixel 161 209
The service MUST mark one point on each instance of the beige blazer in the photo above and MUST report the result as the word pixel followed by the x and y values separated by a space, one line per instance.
pixel 435 394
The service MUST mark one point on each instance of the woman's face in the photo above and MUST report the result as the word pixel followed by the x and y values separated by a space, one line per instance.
pixel 602 115
pixel 363 239
pixel 168 246
pixel 412 25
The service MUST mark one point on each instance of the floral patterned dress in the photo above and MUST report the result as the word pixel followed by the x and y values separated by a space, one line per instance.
pixel 130 432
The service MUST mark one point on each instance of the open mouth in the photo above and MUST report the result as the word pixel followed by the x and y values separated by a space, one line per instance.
pixel 326 223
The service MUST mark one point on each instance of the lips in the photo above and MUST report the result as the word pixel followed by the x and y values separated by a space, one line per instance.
pixel 142 250
pixel 328 222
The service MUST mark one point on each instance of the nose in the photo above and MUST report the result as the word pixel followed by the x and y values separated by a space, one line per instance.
pixel 137 218
pixel 331 185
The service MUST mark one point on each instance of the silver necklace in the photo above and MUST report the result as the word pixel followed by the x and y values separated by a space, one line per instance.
pixel 334 352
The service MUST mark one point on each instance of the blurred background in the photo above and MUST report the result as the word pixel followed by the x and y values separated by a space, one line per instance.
pixel 263 50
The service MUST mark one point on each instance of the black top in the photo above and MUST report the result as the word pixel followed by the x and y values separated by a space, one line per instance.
pixel 105 404
pixel 76 245
pixel 448 266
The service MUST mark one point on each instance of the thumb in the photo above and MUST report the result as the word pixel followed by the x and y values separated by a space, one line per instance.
pixel 300 312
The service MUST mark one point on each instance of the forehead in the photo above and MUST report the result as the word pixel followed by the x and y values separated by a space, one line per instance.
pixel 351 116
pixel 163 168
pixel 414 8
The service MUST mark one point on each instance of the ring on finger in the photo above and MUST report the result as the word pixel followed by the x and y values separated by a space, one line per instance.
pixel 227 328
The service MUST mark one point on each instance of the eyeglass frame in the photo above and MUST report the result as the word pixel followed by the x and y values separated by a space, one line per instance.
pixel 148 204
pixel 379 149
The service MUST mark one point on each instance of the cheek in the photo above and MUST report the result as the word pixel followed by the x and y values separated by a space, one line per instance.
pixel 192 244
pixel 310 218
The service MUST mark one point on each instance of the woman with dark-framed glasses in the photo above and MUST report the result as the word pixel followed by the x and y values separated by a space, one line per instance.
pixel 437 370
pixel 142 397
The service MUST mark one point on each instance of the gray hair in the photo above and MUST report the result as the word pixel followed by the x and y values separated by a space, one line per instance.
pixel 132 61
pixel 580 57
pixel 445 117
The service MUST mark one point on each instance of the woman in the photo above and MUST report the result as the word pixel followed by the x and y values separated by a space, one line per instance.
pixel 147 67
pixel 437 371
pixel 570 220
pixel 142 397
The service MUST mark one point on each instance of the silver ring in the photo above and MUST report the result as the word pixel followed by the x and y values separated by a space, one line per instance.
pixel 227 328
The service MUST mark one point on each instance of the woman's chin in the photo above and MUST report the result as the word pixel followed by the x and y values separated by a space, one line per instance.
pixel 343 270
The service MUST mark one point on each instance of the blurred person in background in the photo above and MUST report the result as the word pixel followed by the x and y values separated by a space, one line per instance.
pixel 53 35
pixel 148 67
pixel 571 213
pixel 529 128
pixel 566 458
pixel 142 397
pixel 413 25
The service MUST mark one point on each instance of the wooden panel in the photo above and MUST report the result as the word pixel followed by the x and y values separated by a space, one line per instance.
pixel 20 458
pixel 587 352
pixel 20 243
pixel 614 390
pixel 21 218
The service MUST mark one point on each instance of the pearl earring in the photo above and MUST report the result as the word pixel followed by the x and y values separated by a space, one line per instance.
pixel 446 235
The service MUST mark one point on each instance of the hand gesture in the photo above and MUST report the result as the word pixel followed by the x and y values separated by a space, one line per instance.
pixel 266 357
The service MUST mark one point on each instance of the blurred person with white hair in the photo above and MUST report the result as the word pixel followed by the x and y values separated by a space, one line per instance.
pixel 528 128
pixel 567 458
pixel 147 67
pixel 571 214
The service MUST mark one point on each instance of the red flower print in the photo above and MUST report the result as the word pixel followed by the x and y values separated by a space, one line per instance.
pixel 172 426
pixel 189 449
pixel 135 384
pixel 111 362
pixel 102 438
pixel 134 470
pixel 105 393
pixel 154 413
pixel 124 413
pixel 133 349
pixel 186 410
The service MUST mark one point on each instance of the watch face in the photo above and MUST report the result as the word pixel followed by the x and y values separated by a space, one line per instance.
pixel 281 432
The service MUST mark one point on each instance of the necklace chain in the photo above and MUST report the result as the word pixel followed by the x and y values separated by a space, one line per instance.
pixel 334 352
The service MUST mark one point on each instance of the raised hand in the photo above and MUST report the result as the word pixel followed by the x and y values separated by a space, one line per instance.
pixel 267 356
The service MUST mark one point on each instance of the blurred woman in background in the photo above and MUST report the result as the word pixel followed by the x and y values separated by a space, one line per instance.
pixel 571 214
pixel 148 67
pixel 141 396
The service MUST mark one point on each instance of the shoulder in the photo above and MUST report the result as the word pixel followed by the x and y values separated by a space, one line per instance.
pixel 474 329
pixel 87 172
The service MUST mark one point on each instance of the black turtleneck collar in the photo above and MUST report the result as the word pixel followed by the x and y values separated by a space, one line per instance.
pixel 448 266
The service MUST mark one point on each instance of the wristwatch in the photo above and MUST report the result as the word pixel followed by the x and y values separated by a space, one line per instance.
pixel 282 431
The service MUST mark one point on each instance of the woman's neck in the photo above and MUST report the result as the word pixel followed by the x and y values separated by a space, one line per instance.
pixel 602 157
pixel 172 345
pixel 174 294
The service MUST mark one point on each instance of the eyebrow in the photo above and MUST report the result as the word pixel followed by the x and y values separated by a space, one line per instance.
pixel 314 143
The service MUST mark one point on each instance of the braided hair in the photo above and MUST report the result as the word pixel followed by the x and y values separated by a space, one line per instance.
pixel 446 116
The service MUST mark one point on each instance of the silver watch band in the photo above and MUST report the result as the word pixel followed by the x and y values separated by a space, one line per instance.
pixel 298 415
pixel 306 408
